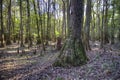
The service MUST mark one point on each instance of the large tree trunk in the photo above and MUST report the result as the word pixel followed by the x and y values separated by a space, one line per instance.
pixel 73 53
pixel 87 25
pixel 1 22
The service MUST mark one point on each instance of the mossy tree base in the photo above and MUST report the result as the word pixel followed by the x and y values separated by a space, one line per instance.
pixel 72 54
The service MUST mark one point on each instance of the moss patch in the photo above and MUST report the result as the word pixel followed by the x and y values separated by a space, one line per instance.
pixel 72 54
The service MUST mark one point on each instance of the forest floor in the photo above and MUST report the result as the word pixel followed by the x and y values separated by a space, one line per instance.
pixel 104 64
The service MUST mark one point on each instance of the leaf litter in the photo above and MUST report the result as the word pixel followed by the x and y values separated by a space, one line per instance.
pixel 104 64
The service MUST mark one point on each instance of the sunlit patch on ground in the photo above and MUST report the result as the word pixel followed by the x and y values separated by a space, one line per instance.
pixel 30 66
pixel 17 65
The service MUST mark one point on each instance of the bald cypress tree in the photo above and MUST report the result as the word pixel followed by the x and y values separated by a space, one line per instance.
pixel 73 53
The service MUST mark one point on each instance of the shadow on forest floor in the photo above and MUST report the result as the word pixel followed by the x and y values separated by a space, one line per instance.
pixel 103 64
pixel 14 66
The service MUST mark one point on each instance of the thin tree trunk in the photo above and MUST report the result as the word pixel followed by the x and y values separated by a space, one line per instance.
pixel 112 23
pixel 28 24
pixel 44 24
pixel 37 22
pixel 92 28
pixel 106 40
pixel 68 15
pixel 98 18
pixel 87 25
pixel 14 24
pixel 64 20
pixel 2 29
pixel 119 35
pixel 48 23
pixel 40 20
pixel 21 25
pixel 54 14
pixel 8 41
pixel 102 27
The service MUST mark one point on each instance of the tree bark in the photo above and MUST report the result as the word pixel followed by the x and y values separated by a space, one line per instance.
pixel 93 27
pixel 87 25
pixel 102 26
pixel 112 23
pixel 106 40
pixel 64 20
pixel 48 23
pixel 119 35
pixel 54 13
pixel 1 22
pixel 37 22
pixel 21 25
pixel 29 38
pixel 73 53
pixel 98 18
pixel 8 41
pixel 68 15
pixel 14 24
pixel 40 20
